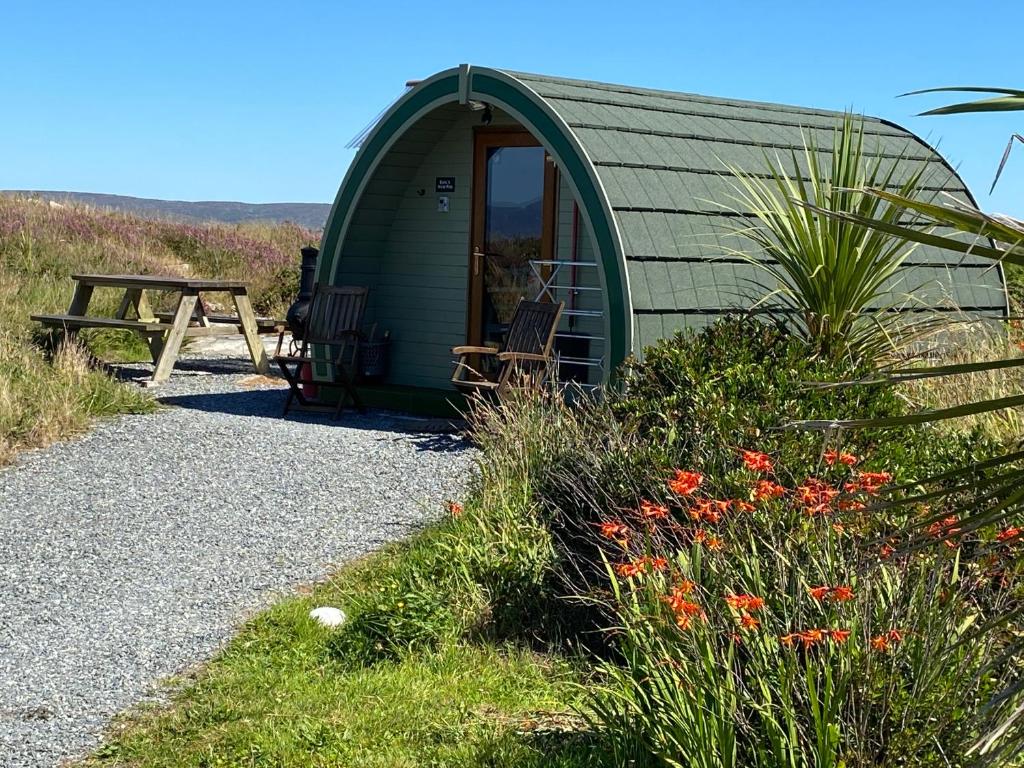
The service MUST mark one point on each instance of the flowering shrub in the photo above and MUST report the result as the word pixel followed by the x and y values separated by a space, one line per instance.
pixel 762 625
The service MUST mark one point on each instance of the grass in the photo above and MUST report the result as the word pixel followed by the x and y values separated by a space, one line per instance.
pixel 1003 426
pixel 281 695
pixel 42 245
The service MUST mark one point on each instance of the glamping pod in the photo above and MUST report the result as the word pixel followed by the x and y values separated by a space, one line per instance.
pixel 479 186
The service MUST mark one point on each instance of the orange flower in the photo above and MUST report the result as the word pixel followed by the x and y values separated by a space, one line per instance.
pixel 1008 534
pixel 658 563
pixel 614 529
pixel 817 509
pixel 847 505
pixel 831 457
pixel 839 528
pixel 766 489
pixel 714 543
pixel 842 594
pixel 710 510
pixel 880 643
pixel 700 536
pixel 788 640
pixel 945 529
pixel 757 462
pixel 838 594
pixel 839 636
pixel 815 492
pixel 811 636
pixel 652 511
pixel 872 481
pixel 684 610
pixel 684 587
pixel 631 569
pixel 454 508
pixel 749 622
pixel 744 602
pixel 743 506
pixel 886 551
pixel 685 482
pixel 819 593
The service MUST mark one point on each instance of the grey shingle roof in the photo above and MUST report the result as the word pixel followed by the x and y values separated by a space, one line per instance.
pixel 661 157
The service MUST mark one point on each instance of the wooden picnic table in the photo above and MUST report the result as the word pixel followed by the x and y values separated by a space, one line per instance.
pixel 164 332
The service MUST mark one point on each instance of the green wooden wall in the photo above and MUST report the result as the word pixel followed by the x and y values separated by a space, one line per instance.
pixel 413 257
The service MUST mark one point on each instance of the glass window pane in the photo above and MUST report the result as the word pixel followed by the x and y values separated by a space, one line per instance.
pixel 513 226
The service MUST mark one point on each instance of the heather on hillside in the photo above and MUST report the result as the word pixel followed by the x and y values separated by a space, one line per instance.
pixel 43 244
pixel 39 237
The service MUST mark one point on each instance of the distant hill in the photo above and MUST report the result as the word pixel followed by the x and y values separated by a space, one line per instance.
pixel 311 215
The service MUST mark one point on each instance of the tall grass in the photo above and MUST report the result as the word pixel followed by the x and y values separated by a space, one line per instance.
pixel 1004 426
pixel 42 245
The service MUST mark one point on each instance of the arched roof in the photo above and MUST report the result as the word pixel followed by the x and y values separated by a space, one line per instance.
pixel 647 169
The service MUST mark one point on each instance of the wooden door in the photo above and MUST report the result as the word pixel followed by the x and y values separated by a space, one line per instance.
pixel 514 202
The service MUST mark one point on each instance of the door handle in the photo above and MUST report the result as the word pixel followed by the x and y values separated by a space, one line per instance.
pixel 477 258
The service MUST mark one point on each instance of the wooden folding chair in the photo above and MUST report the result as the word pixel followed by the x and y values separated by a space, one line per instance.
pixel 330 338
pixel 523 361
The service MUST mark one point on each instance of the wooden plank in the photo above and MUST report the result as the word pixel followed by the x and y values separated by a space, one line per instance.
pixel 159 282
pixel 80 301
pixel 76 321
pixel 250 331
pixel 172 344
pixel 135 298
pixel 263 324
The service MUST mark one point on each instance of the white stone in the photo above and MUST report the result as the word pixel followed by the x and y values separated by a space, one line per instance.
pixel 327 616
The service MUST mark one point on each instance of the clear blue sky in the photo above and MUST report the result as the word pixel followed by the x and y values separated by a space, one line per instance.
pixel 255 101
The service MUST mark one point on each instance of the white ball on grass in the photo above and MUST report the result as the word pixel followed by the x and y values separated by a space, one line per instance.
pixel 327 616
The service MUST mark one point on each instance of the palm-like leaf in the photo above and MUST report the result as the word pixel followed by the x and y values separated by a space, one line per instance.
pixel 1011 100
pixel 830 272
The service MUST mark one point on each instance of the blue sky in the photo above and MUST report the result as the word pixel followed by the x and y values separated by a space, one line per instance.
pixel 255 101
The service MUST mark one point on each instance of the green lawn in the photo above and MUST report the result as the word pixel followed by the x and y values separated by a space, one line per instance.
pixel 279 696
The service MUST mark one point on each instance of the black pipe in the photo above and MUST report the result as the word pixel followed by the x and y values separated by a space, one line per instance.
pixel 296 317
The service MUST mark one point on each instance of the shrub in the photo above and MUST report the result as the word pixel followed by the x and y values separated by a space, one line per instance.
pixel 699 395
pixel 777 631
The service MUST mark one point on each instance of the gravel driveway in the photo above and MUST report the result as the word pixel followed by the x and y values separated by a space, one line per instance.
pixel 134 552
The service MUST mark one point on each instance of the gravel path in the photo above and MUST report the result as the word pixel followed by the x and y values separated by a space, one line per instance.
pixel 134 552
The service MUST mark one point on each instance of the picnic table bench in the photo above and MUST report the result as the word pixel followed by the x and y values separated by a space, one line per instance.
pixel 164 332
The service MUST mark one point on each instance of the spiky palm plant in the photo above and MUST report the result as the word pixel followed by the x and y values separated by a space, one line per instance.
pixel 832 277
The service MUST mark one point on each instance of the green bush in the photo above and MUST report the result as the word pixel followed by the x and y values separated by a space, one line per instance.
pixel 698 396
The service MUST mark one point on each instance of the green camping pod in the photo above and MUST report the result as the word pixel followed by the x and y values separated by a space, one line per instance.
pixel 480 186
